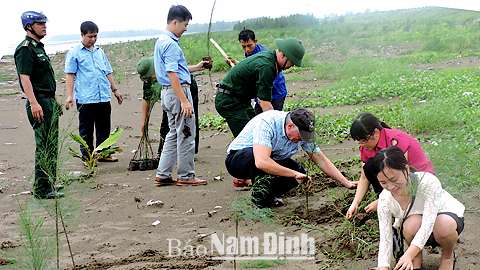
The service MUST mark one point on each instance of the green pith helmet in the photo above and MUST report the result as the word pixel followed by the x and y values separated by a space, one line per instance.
pixel 292 48
pixel 145 68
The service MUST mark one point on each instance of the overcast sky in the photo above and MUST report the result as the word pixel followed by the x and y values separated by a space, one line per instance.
pixel 65 17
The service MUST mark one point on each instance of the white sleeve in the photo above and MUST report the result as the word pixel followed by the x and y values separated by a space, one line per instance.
pixel 432 193
pixel 385 249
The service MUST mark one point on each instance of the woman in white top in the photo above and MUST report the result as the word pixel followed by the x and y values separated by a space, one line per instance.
pixel 434 219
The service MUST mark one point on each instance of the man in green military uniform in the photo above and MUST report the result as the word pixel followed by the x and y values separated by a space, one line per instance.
pixel 37 81
pixel 145 69
pixel 253 77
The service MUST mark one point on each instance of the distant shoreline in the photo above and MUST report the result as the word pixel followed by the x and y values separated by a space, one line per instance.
pixel 62 46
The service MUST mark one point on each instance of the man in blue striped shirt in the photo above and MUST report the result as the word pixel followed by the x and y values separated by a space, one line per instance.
pixel 264 148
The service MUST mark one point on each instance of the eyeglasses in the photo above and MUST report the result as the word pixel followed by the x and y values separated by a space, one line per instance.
pixel 364 141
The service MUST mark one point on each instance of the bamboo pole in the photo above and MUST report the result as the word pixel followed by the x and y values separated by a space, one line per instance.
pixel 221 51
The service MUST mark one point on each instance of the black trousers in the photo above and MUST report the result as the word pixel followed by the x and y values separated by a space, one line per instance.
pixel 372 178
pixel 241 164
pixel 94 117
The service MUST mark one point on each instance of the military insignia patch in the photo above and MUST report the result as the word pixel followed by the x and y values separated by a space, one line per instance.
pixel 25 43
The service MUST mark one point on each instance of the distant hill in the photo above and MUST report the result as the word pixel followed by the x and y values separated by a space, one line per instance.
pixel 192 28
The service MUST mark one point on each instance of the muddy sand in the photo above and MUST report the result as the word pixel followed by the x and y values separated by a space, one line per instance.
pixel 111 226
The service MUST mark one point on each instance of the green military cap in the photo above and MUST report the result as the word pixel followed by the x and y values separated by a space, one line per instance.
pixel 292 48
pixel 145 68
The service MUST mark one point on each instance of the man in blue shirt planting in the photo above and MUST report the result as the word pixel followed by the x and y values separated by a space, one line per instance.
pixel 262 152
pixel 89 73
pixel 251 46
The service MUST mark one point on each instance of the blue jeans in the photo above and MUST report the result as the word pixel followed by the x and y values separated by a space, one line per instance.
pixel 180 140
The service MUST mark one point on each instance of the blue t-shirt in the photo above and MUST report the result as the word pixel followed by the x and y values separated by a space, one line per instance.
pixel 168 57
pixel 91 69
pixel 279 88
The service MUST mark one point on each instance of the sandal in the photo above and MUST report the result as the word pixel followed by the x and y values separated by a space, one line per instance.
pixel 241 183
pixel 277 202
pixel 4 261
pixel 108 159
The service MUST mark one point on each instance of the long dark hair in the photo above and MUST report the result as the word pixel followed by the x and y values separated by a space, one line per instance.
pixel 364 125
pixel 393 158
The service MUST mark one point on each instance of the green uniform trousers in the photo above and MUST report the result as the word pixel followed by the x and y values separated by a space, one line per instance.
pixel 46 142
pixel 237 112
pixel 164 129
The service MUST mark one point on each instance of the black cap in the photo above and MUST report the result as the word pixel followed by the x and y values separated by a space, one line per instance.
pixel 305 121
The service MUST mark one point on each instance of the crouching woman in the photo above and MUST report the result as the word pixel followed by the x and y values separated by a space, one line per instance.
pixel 424 213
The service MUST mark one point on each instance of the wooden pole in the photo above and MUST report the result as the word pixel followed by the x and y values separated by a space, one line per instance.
pixel 221 51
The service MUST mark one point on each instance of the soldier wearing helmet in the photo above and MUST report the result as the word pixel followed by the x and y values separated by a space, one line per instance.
pixel 29 18
pixel 253 77
pixel 37 81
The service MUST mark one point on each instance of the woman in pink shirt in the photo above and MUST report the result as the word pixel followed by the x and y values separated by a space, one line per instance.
pixel 374 135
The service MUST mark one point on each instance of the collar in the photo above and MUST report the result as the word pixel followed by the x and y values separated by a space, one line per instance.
pixel 95 47
pixel 382 140
pixel 33 41
pixel 258 48
pixel 170 34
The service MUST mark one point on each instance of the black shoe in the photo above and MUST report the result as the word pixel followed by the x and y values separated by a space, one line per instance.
pixel 50 195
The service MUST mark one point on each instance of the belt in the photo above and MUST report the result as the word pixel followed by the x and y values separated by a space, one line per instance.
pixel 170 87
pixel 45 95
pixel 225 91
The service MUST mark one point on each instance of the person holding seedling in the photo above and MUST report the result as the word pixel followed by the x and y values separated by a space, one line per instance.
pixel 37 81
pixel 424 213
pixel 262 152
pixel 374 135
pixel 250 46
pixel 173 74
pixel 146 70
pixel 253 77
pixel 89 83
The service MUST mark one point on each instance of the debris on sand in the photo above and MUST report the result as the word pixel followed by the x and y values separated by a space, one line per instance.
pixel 156 203
pixel 28 192
pixel 211 213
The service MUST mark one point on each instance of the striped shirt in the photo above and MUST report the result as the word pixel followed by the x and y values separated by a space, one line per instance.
pixel 268 129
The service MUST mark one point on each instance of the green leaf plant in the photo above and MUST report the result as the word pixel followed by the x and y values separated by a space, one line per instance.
pixel 102 151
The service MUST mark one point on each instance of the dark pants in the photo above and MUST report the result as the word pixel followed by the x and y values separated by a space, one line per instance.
pixel 46 142
pixel 241 164
pixel 94 117
pixel 164 129
pixel 277 104
pixel 236 111
pixel 372 178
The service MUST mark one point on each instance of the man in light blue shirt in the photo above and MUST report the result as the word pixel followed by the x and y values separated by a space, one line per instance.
pixel 89 73
pixel 250 46
pixel 173 73
pixel 264 148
